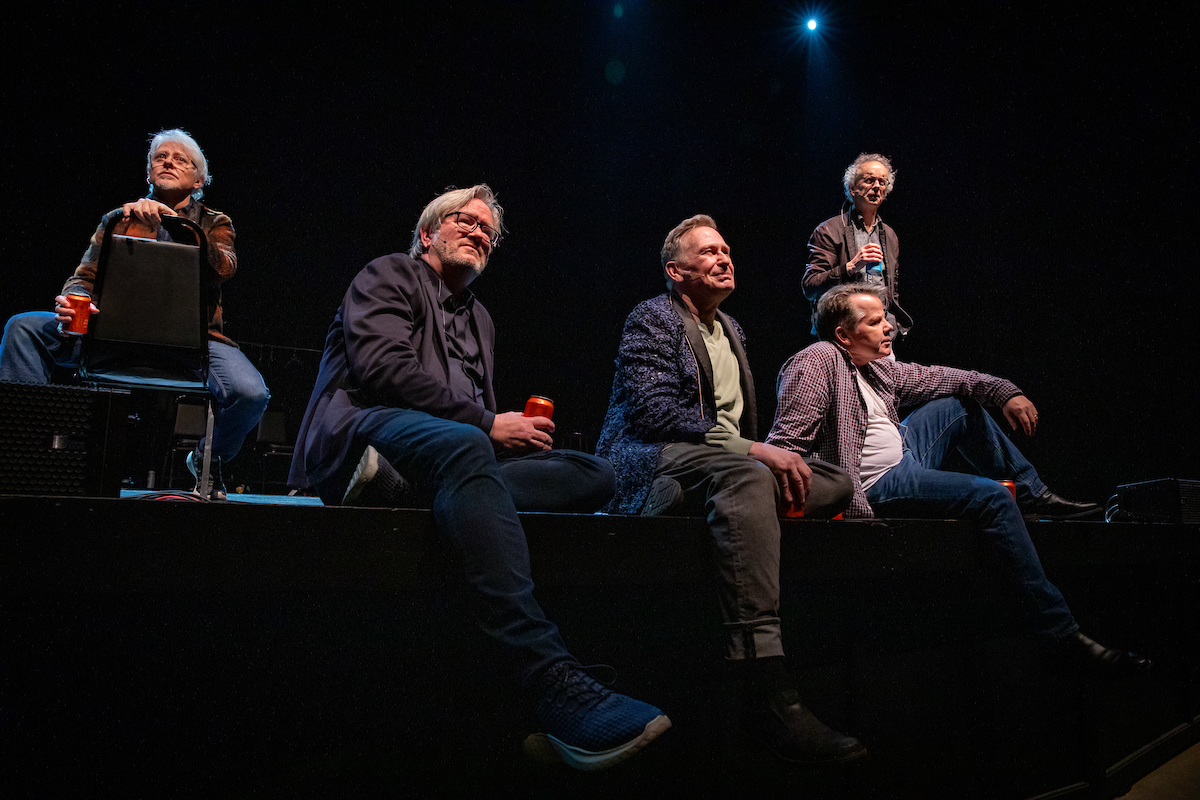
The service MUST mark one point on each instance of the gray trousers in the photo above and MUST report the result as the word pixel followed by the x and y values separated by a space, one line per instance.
pixel 738 496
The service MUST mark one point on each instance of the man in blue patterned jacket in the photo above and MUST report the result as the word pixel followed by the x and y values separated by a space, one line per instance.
pixel 680 433
pixel 838 401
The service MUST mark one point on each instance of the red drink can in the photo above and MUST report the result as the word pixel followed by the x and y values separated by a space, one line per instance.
pixel 79 323
pixel 538 406
pixel 1011 486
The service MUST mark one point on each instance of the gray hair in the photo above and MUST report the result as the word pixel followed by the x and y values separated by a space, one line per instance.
pixel 672 245
pixel 834 309
pixel 448 202
pixel 852 171
pixel 184 140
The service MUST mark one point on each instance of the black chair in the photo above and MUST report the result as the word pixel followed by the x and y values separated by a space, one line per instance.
pixel 152 329
pixel 273 443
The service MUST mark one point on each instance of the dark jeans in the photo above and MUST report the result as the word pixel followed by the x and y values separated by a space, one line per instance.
pixel 475 499
pixel 919 487
pixel 32 346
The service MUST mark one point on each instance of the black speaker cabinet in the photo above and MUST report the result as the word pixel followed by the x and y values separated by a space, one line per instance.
pixel 61 440
pixel 1166 500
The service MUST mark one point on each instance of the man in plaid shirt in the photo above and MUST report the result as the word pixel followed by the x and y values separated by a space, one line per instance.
pixel 838 401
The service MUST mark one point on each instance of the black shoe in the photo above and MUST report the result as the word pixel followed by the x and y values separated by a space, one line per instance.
pixel 1050 506
pixel 665 493
pixel 793 734
pixel 375 483
pixel 1076 654
pixel 194 465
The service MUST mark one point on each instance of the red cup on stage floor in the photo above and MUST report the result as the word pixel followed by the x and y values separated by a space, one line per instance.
pixel 1011 486
pixel 83 312
pixel 538 406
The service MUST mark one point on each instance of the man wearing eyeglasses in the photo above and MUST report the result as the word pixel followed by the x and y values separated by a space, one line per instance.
pixel 403 410
pixel 857 246
pixel 177 172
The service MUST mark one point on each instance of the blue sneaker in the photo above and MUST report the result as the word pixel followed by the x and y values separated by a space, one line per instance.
pixel 587 726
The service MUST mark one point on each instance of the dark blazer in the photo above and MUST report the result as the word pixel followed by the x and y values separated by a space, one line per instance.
pixel 386 348
pixel 663 392
pixel 831 247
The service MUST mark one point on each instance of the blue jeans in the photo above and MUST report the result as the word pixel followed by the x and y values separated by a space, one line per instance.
pixel 919 487
pixel 32 346
pixel 475 501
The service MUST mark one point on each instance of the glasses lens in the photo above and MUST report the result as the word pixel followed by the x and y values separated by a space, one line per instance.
pixel 466 223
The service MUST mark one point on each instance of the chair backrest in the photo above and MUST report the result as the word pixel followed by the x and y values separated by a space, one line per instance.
pixel 190 419
pixel 272 429
pixel 152 329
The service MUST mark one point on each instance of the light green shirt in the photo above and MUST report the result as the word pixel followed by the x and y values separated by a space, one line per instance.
pixel 727 388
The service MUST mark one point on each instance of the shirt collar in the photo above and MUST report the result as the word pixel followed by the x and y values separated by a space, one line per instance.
pixel 857 219
pixel 448 301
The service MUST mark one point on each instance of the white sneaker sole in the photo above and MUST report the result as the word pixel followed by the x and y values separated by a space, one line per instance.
pixel 364 473
pixel 546 749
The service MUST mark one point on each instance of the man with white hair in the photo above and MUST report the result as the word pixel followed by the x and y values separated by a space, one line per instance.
pixel 177 173
pixel 404 405
pixel 857 246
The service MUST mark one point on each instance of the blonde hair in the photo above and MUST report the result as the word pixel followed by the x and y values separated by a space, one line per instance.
pixel 448 202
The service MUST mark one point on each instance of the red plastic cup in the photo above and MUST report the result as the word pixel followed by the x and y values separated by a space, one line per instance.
pixel 1011 486
pixel 538 406
pixel 79 323
pixel 793 511
pixel 787 510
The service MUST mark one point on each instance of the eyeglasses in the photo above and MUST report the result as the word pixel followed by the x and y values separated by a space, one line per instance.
pixel 175 158
pixel 467 223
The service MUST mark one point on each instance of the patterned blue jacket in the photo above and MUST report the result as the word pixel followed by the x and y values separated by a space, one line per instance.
pixel 663 392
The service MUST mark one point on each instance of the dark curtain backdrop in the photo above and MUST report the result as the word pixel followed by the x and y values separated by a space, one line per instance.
pixel 1045 199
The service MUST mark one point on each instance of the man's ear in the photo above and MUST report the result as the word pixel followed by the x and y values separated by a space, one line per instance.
pixel 426 238
pixel 839 333
pixel 672 270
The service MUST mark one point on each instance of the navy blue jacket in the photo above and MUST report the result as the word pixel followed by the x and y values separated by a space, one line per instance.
pixel 386 348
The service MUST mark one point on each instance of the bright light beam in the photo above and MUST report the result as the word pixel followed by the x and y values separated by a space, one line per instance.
pixel 812 24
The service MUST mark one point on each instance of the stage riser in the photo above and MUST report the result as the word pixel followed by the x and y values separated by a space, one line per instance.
pixel 310 651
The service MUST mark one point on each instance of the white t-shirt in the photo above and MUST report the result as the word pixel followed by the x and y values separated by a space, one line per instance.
pixel 882 447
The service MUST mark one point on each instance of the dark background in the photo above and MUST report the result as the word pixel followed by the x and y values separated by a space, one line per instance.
pixel 1044 202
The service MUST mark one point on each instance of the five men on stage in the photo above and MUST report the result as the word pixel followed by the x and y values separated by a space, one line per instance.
pixel 681 432
pixel 404 408
pixel 177 172
pixel 404 403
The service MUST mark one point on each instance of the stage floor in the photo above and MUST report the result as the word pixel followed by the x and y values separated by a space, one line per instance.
pixel 234 497
pixel 310 650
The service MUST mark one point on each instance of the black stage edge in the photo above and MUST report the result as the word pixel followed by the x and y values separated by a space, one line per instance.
pixel 227 649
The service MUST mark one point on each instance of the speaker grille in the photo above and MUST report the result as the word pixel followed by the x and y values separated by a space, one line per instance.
pixel 56 439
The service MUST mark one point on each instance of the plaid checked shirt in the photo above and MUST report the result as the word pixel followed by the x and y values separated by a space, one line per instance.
pixel 821 412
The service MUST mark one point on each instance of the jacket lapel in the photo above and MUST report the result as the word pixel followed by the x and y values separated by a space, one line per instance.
pixel 748 424
pixel 433 319
pixel 700 352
